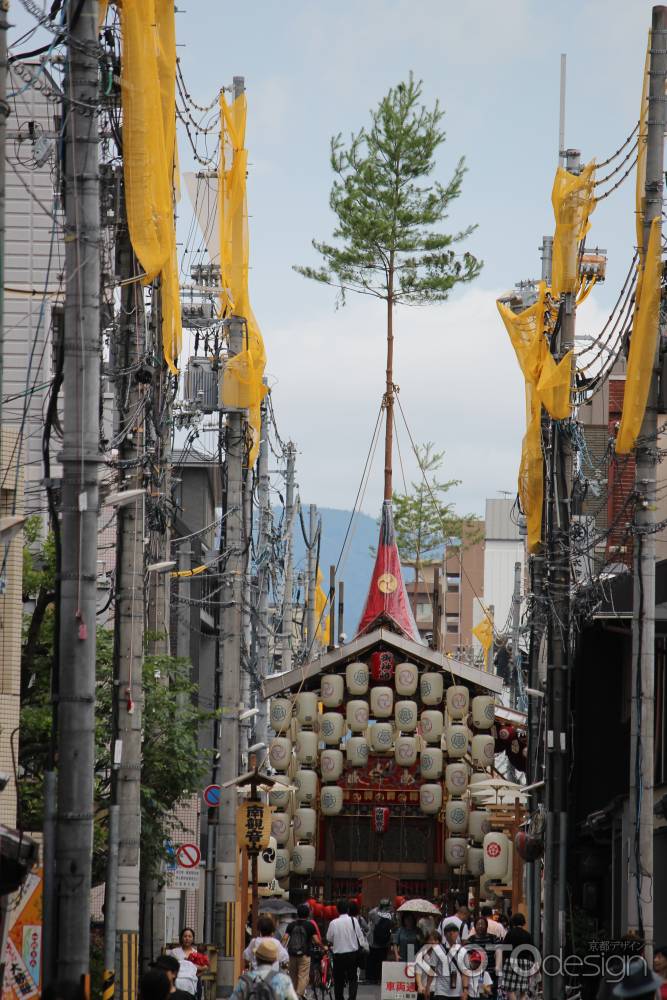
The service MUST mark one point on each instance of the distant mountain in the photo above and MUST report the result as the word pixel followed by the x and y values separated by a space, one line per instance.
pixel 357 565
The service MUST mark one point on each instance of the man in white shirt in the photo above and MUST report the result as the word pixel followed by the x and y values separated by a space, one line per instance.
pixel 460 919
pixel 451 977
pixel 344 934
pixel 494 926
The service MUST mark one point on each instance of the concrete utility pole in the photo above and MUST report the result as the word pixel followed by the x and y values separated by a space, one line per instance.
pixel 558 663
pixel 311 622
pixel 640 897
pixel 263 561
pixel 287 616
pixel 517 664
pixel 246 646
pixel 128 623
pixel 226 869
pixel 80 460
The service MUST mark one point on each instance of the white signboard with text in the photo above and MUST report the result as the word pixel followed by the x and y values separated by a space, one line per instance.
pixel 398 982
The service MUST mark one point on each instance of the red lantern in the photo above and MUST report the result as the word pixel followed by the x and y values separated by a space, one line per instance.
pixel 382 666
pixel 331 912
pixel 529 848
pixel 398 901
pixel 506 733
pixel 380 819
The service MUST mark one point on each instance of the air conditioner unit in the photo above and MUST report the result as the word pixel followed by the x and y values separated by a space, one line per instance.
pixel 200 385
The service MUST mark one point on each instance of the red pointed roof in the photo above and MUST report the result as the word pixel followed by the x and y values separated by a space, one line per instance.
pixel 387 603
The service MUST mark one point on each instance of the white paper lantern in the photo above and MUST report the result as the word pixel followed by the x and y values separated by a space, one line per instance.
pixel 283 859
pixel 280 714
pixel 356 750
pixel 279 797
pixel 456 778
pixel 280 753
pixel 266 862
pixel 456 851
pixel 331 764
pixel 306 787
pixel 406 716
pixel 381 736
pixel 475 861
pixel 458 698
pixel 477 777
pixel 483 711
pixel 479 824
pixel 331 800
pixel 496 854
pixel 483 750
pixel 303 859
pixel 432 723
pixel 456 816
pixel 405 751
pixel 507 877
pixel 430 798
pixel 356 678
pixel 306 708
pixel 305 824
pixel 332 690
pixel 332 728
pixel 382 702
pixel 357 715
pixel 431 762
pixel 306 749
pixel 406 679
pixel 280 827
pixel 430 688
pixel 457 740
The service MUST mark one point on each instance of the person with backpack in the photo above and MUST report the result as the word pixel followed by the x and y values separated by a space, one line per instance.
pixel 300 936
pixel 381 923
pixel 263 982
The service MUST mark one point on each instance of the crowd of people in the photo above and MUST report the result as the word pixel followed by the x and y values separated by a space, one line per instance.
pixel 458 955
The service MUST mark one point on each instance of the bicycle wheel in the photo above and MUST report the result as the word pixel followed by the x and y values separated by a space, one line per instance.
pixel 316 985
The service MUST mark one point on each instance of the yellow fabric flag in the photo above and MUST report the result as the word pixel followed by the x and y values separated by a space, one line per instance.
pixel 242 381
pixel 321 619
pixel 484 633
pixel 526 331
pixel 553 388
pixel 643 343
pixel 148 75
pixel 573 201
pixel 531 470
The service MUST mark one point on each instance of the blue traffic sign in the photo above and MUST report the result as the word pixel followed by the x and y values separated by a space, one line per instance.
pixel 212 796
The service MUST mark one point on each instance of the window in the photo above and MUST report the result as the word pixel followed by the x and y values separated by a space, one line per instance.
pixel 453 583
pixel 452 623
pixel 424 610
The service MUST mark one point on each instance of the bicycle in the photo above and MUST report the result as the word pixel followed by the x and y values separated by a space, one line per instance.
pixel 320 986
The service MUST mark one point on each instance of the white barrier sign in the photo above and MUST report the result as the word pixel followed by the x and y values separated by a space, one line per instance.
pixel 398 982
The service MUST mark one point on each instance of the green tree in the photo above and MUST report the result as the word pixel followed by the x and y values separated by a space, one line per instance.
pixel 423 520
pixel 389 244
pixel 173 764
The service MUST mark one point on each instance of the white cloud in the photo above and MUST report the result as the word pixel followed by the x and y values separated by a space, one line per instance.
pixel 460 387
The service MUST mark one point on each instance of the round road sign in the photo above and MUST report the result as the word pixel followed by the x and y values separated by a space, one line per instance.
pixel 212 796
pixel 188 855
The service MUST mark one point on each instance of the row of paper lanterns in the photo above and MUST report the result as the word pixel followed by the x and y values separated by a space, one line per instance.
pixel 381 706
pixel 381 738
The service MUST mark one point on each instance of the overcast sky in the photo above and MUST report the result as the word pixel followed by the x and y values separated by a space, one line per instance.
pixel 314 68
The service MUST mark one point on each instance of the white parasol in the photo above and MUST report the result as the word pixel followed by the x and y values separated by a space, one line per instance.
pixel 418 906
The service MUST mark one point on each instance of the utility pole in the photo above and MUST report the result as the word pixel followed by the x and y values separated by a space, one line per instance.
pixel 128 626
pixel 516 631
pixel 80 460
pixel 159 591
pixel 558 662
pixel 263 561
pixel 287 616
pixel 640 899
pixel 332 607
pixel 341 612
pixel 246 657
pixel 226 869
pixel 311 624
